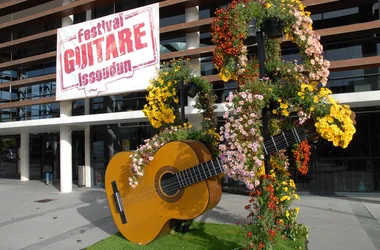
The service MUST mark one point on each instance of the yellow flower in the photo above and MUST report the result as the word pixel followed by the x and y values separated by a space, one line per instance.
pixel 287 214
pixel 226 75
pixel 337 126
pixel 285 112
pixel 297 209
pixel 284 198
pixel 261 171
pixel 292 184
pixel 284 105
pixel 296 196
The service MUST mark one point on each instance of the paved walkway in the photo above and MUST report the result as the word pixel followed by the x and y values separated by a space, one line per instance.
pixel 81 218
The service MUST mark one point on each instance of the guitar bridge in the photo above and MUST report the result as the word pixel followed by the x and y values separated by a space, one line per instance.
pixel 118 203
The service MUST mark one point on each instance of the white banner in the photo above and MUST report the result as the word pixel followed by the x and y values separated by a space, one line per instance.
pixel 111 55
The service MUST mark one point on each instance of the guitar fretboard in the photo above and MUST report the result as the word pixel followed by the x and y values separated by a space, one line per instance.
pixel 214 167
pixel 199 173
pixel 284 140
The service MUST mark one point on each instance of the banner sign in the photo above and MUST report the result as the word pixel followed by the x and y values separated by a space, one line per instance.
pixel 111 55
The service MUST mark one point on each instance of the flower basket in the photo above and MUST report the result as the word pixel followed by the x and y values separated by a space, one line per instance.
pixel 192 89
pixel 273 27
pixel 251 35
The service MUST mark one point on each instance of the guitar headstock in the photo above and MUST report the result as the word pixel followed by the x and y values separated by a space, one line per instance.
pixel 310 131
pixel 353 117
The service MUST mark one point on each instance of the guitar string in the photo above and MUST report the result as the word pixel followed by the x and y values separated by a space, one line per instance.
pixel 129 203
pixel 174 185
pixel 168 181
pixel 282 143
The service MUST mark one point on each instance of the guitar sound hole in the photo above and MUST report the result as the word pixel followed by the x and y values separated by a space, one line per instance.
pixel 169 184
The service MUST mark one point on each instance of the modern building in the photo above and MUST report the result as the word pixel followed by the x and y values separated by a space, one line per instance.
pixel 88 132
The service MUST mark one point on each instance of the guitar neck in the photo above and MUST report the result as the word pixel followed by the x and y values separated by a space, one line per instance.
pixel 200 172
pixel 214 167
pixel 284 140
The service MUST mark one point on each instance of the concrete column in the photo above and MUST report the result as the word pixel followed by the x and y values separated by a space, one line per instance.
pixel 193 42
pixel 66 21
pixel 66 160
pixel 66 166
pixel 87 146
pixel 87 156
pixel 88 15
pixel 24 157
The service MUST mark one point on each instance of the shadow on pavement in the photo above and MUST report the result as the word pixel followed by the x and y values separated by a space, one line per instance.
pixel 96 210
pixel 220 215
pixel 357 199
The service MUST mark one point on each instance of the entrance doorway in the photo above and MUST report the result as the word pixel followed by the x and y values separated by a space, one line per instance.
pixel 77 152
pixel 38 148
pixel 39 144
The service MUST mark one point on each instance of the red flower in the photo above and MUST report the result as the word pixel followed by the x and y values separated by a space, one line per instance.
pixel 302 156
pixel 249 234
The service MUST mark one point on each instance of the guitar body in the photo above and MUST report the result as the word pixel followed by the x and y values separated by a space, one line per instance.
pixel 150 208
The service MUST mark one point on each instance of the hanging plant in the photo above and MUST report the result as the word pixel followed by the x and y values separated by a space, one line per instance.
pixel 230 30
pixel 162 108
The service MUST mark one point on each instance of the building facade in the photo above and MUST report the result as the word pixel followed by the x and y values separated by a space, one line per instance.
pixel 89 132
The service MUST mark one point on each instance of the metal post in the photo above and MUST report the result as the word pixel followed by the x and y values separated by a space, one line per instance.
pixel 181 88
pixel 261 55
pixel 261 51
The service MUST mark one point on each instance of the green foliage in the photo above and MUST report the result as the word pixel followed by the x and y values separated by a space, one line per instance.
pixel 274 9
pixel 209 137
pixel 296 230
pixel 205 102
pixel 7 143
pixel 202 236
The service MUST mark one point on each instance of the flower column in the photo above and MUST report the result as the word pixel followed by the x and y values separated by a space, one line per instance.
pixel 193 42
pixel 66 168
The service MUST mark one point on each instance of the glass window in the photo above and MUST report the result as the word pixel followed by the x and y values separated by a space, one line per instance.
pixel 103 11
pixel 354 80
pixel 363 13
pixel 124 5
pixel 118 103
pixel 166 21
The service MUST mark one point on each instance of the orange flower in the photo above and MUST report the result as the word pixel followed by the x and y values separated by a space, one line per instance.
pixel 249 234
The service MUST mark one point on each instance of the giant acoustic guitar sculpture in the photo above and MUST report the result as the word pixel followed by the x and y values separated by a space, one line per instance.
pixel 181 183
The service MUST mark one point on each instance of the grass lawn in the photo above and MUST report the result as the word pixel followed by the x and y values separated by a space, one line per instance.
pixel 202 236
